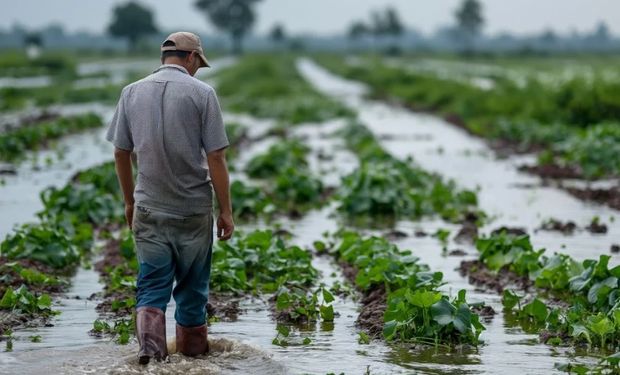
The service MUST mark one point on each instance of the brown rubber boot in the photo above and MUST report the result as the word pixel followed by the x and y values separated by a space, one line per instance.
pixel 192 341
pixel 151 333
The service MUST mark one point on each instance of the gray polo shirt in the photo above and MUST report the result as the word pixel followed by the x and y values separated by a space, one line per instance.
pixel 170 119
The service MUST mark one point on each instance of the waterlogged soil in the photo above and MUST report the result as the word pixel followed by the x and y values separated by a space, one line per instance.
pixel 609 196
pixel 245 345
pixel 480 275
pixel 517 201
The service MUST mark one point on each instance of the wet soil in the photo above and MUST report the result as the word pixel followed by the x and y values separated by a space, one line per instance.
pixel 553 171
pixel 372 304
pixel 505 148
pixel 395 235
pixel 480 275
pixel 514 231
pixel 554 225
pixel 31 118
pixel 609 196
pixel 10 278
pixel 597 228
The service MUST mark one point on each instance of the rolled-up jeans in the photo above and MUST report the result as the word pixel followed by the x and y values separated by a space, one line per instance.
pixel 172 247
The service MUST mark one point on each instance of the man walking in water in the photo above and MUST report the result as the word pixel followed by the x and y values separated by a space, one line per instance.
pixel 171 120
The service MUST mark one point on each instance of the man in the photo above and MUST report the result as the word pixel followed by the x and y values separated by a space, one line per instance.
pixel 170 120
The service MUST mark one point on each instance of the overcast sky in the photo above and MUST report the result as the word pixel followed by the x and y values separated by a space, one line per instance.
pixel 327 16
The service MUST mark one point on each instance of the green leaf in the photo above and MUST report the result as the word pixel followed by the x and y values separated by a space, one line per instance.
pixel 283 330
pixel 443 312
pixel 9 300
pixel 537 310
pixel 423 298
pixel 389 329
pixel 327 313
pixel 327 296
pixel 307 341
pixel 44 302
pixel 363 338
pixel 283 301
pixel 510 299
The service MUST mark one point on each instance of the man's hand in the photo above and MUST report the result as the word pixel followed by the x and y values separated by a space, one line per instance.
pixel 129 215
pixel 225 227
pixel 122 160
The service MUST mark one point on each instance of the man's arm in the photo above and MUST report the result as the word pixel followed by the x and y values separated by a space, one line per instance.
pixel 221 184
pixel 124 172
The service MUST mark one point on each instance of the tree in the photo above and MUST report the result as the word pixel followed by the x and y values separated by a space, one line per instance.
pixel 469 21
pixel 357 30
pixel 392 24
pixel 132 21
pixel 602 32
pixel 233 16
pixel 277 34
pixel 33 39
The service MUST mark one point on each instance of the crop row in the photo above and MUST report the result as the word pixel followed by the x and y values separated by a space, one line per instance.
pixel 413 307
pixel 14 143
pixel 568 119
pixel 287 185
pixel 571 302
pixel 268 87
pixel 40 257
pixel 384 187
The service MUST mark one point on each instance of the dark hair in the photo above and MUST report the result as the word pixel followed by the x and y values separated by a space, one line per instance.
pixel 166 54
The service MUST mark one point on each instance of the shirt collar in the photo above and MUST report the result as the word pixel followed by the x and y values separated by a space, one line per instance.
pixel 171 66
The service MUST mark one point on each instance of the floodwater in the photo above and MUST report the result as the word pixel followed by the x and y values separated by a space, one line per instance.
pixel 510 197
pixel 245 346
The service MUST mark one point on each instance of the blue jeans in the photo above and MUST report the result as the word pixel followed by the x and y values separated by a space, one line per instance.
pixel 172 247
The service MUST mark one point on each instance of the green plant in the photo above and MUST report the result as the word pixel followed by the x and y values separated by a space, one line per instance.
pixel 385 186
pixel 272 88
pixel 122 329
pixel 298 304
pixel 416 310
pixel 14 143
pixel 21 299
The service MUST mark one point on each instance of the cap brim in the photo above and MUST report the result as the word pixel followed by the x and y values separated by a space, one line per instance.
pixel 205 63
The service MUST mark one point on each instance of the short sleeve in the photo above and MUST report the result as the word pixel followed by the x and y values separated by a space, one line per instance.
pixel 213 132
pixel 119 132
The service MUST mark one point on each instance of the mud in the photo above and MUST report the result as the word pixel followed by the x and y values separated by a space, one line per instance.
pixel 595 227
pixel 10 278
pixel 457 253
pixel 467 234
pixel 11 320
pixel 515 231
pixel 480 275
pixel 373 304
pixel 555 225
pixel 553 171
pixel 609 197
pixel 395 235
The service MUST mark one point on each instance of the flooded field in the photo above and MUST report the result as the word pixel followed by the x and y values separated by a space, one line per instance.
pixel 310 111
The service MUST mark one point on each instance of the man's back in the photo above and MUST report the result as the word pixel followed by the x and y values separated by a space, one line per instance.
pixel 168 119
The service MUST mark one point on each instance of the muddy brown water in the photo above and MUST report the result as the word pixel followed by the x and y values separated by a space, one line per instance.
pixel 245 346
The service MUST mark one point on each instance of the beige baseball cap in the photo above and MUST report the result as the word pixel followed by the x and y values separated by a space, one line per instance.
pixel 185 41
